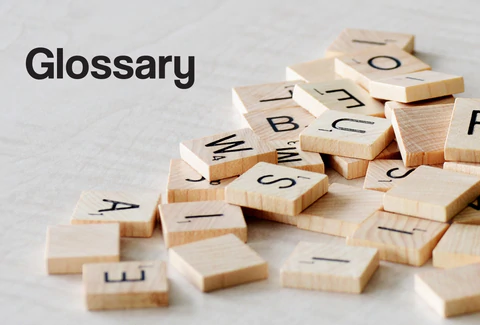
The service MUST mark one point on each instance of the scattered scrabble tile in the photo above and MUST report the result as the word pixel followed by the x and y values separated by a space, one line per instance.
pixel 421 133
pixel 391 105
pixel 384 174
pixel 390 152
pixel 341 95
pixel 347 135
pixel 462 167
pixel 272 216
pixel 350 168
pixel 377 63
pixel 398 238
pixel 276 189
pixel 125 285
pixel 313 71
pixel 218 263
pixel 458 247
pixel 290 155
pixel 470 215
pixel 316 266
pixel 68 247
pixel 432 193
pixel 335 177
pixel 353 40
pixel 450 292
pixel 227 154
pixel 341 211
pixel 187 222
pixel 265 96
pixel 135 211
pixel 416 86
pixel 279 123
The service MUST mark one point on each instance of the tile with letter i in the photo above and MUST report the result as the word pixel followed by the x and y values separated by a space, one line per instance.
pixel 391 105
pixel 350 168
pixel 290 155
pixel 313 71
pixel 470 215
pixel 383 174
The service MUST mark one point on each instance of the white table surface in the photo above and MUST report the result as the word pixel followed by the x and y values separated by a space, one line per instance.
pixel 59 137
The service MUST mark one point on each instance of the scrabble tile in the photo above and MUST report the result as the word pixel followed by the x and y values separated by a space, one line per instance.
pixel 265 96
pixel 338 268
pixel 125 285
pixel 279 123
pixel 335 177
pixel 313 71
pixel 377 63
pixel 185 184
pixel 276 189
pixel 463 137
pixel 391 105
pixel 390 152
pixel 416 86
pixel 290 155
pixel 218 263
pixel 272 216
pixel 187 222
pixel 432 193
pixel 384 174
pixel 470 215
pixel 398 238
pixel 462 167
pixel 341 211
pixel 68 247
pixel 353 40
pixel 350 168
pixel 450 292
pixel 458 247
pixel 135 211
pixel 347 135
pixel 227 154
pixel 421 133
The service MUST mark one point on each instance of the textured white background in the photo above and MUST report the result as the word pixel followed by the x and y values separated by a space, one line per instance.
pixel 59 137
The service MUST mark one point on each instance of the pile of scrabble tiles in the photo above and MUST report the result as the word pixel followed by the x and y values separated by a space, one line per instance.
pixel 370 110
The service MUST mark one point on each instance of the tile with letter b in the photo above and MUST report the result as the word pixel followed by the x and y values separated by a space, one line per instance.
pixel 313 71
pixel 383 174
pixel 350 168
pixel 458 247
pixel 290 155
pixel 391 105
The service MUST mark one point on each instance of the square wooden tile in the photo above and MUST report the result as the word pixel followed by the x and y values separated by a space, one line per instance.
pixel 272 216
pixel 350 168
pixel 290 155
pixel 462 167
pixel 458 247
pixel 470 215
pixel 384 174
pixel 313 71
pixel 335 177
pixel 390 152
pixel 391 105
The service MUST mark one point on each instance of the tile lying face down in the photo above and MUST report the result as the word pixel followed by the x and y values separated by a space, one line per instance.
pixel 391 105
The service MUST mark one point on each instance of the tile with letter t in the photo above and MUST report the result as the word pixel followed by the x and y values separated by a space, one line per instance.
pixel 470 215
pixel 276 189
pixel 135 211
pixel 187 222
pixel 227 154
pixel 125 285
pixel 399 238
pixel 383 174
pixel 337 268
pixel 391 105
pixel 313 71
pixel 290 155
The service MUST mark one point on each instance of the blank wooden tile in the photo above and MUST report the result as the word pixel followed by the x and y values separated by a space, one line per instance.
pixel 335 177
pixel 470 215
pixel 218 263
pixel 341 95
pixel 458 247
pixel 353 40
pixel 462 167
pixel 350 168
pixel 187 222
pixel 421 133
pixel 432 193
pixel 68 247
pixel 377 63
pixel 384 174
pixel 338 268
pixel 416 86
pixel 398 238
pixel 276 189
pixel 125 285
pixel 227 154
pixel 341 211
pixel 390 152
pixel 313 71
pixel 391 105
pixel 272 216
pixel 279 123
pixel 347 135
pixel 450 292
pixel 290 155
pixel 135 211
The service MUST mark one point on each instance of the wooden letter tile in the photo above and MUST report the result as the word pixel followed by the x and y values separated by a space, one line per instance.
pixel 391 105
pixel 313 71
pixel 390 152
pixel 462 167
pixel 384 174
pixel 272 216
pixel 458 247
pixel 350 168
pixel 290 155
pixel 470 215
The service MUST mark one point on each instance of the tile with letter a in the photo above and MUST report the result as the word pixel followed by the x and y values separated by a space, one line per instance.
pixel 399 238
pixel 68 247
pixel 187 222
pixel 218 263
pixel 432 193
pixel 279 123
pixel 462 167
pixel 341 95
pixel 377 63
pixel 384 174
pixel 350 168
pixel 327 267
pixel 290 155
pixel 227 154
pixel 277 189
pixel 313 71
pixel 458 247
pixel 470 215
pixel 347 135
pixel 391 105
pixel 125 285
pixel 135 211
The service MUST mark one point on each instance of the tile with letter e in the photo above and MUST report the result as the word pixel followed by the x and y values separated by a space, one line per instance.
pixel 462 167
pixel 458 247
pixel 399 238
pixel 68 247
pixel 218 263
pixel 125 285
pixel 227 154
pixel 313 71
pixel 384 174
pixel 187 222
pixel 326 267
pixel 350 168
pixel 391 105
pixel 275 188
pixel 347 135
pixel 135 211
pixel 470 215
pixel 290 155
pixel 432 193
